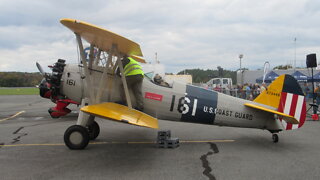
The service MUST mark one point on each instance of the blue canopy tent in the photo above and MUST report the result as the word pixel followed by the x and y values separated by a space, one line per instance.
pixel 271 76
pixel 316 78
pixel 300 77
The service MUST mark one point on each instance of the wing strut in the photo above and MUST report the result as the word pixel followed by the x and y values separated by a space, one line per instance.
pixel 98 73
pixel 124 82
pixel 87 76
pixel 95 98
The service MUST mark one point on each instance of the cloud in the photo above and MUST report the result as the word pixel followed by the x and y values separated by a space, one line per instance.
pixel 185 34
pixel 25 57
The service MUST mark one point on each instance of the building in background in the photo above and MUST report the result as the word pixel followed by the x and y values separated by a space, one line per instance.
pixel 182 78
pixel 251 76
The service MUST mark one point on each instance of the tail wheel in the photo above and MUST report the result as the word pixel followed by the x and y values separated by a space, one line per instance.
pixel 76 137
pixel 275 138
pixel 94 130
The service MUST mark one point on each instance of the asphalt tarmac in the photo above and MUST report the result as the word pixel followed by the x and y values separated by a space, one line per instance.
pixel 32 147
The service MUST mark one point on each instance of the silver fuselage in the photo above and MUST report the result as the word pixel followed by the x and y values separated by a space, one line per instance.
pixel 179 102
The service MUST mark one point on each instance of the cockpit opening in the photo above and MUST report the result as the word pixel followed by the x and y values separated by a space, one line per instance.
pixel 157 79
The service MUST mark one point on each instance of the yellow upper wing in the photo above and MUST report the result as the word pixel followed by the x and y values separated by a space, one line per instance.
pixel 102 38
pixel 138 58
pixel 121 113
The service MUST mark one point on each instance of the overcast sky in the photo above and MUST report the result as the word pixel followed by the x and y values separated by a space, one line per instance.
pixel 185 34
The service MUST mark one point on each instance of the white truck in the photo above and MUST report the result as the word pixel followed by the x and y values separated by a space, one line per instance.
pixel 224 83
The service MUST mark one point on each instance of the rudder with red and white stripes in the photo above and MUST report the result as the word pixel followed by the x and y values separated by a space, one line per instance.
pixel 294 105
pixel 285 95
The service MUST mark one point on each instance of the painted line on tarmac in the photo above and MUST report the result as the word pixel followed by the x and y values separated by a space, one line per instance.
pixel 118 142
pixel 13 116
pixel 17 145
pixel 209 141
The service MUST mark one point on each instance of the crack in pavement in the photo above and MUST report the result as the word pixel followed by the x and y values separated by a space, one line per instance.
pixel 205 163
pixel 18 130
pixel 17 139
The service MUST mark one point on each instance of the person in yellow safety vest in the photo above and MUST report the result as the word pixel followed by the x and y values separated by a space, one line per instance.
pixel 134 77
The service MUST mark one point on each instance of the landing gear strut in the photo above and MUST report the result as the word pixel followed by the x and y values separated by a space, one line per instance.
pixel 275 138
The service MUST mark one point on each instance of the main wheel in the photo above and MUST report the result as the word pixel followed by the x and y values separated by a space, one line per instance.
pixel 76 137
pixel 275 138
pixel 94 130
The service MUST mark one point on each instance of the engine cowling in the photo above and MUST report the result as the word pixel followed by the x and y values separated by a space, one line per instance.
pixel 50 89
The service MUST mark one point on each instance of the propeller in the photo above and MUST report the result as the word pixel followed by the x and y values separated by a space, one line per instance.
pixel 41 70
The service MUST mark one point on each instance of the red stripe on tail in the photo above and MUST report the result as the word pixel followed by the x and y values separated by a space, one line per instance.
pixel 303 113
pixel 294 106
pixel 282 101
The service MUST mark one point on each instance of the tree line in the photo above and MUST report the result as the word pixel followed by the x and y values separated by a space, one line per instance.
pixel 202 76
pixel 19 79
pixel 24 79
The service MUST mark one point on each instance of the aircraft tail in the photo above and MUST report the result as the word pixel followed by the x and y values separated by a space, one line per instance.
pixel 285 94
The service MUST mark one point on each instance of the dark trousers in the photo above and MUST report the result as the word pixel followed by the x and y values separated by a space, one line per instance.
pixel 135 84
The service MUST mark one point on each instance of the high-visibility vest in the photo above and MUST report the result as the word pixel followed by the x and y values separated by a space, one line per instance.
pixel 132 68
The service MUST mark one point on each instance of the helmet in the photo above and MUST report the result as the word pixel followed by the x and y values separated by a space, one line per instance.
pixel 157 78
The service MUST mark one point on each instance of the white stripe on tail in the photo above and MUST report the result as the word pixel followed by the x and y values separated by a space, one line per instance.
pixel 294 105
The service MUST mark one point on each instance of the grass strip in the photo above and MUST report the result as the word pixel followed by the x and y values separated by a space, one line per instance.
pixel 19 91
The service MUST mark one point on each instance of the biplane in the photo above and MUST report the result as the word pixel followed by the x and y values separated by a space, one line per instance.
pixel 94 86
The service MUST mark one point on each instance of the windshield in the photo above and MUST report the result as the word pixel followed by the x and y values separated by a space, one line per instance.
pixel 216 81
pixel 149 75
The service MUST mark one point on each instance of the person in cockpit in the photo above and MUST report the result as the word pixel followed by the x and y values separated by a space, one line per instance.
pixel 158 80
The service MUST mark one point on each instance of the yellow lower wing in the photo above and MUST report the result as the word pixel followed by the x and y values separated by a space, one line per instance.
pixel 286 117
pixel 121 113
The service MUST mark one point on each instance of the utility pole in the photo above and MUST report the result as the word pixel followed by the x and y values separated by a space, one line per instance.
pixel 240 57
pixel 295 54
pixel 157 61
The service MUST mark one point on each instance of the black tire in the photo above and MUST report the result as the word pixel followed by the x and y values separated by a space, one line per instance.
pixel 94 130
pixel 76 137
pixel 275 138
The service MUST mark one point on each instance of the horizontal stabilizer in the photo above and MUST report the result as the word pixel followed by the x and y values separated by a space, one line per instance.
pixel 121 113
pixel 286 117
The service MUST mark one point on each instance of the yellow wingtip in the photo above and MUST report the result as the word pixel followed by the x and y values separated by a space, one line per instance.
pixel 138 58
